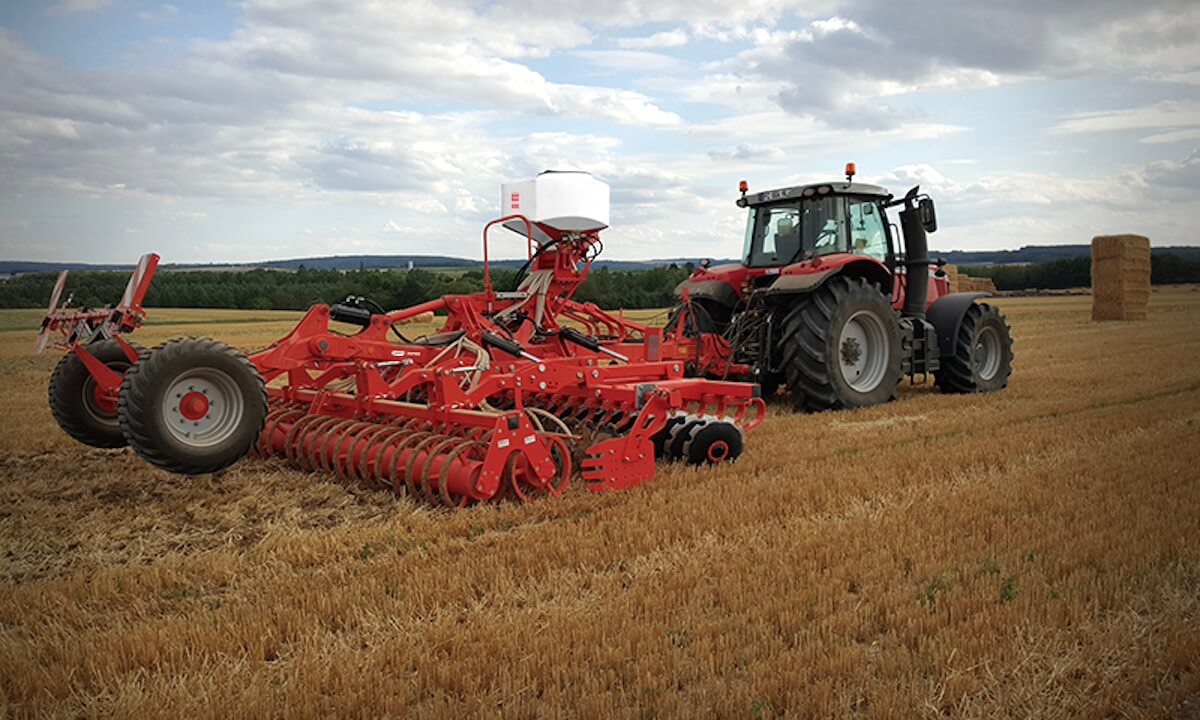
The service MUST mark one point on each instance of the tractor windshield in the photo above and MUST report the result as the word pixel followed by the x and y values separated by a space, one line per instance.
pixel 787 231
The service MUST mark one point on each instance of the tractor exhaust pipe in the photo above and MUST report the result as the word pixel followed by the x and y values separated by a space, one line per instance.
pixel 916 254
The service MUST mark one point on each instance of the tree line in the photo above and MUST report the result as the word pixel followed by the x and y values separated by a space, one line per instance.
pixel 1165 269
pixel 278 290
pixel 610 289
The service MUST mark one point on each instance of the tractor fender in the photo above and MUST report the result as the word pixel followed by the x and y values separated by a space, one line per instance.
pixel 946 314
pixel 718 291
pixel 802 282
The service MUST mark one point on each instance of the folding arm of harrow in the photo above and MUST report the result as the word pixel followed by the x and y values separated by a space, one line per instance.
pixel 79 326
pixel 72 329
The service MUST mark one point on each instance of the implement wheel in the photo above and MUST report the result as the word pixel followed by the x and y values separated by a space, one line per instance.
pixel 982 356
pixel 78 405
pixel 841 347
pixel 192 406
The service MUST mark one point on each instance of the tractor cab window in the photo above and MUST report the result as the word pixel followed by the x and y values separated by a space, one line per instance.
pixel 784 233
pixel 825 225
pixel 867 234
pixel 772 236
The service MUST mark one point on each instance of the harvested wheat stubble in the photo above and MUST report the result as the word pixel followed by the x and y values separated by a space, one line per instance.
pixel 983 556
pixel 1120 277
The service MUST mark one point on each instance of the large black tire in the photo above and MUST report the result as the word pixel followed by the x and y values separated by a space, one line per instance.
pixel 73 401
pixel 841 347
pixel 192 406
pixel 982 357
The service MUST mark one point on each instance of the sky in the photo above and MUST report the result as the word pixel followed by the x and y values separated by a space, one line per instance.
pixel 264 129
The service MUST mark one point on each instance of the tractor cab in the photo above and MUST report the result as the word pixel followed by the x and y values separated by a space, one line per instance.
pixel 799 223
pixel 836 303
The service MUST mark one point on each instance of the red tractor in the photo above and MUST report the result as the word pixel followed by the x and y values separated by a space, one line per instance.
pixel 827 302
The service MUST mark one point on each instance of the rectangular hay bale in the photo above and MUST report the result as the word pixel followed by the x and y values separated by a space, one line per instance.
pixel 1120 277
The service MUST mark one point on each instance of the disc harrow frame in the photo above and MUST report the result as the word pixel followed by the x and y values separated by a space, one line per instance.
pixel 498 403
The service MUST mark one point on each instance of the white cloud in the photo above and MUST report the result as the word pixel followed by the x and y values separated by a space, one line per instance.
pixel 1168 114
pixel 665 39
pixel 632 61
pixel 382 124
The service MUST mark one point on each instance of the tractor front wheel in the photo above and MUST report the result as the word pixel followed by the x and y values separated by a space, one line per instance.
pixel 77 403
pixel 192 406
pixel 982 356
pixel 841 347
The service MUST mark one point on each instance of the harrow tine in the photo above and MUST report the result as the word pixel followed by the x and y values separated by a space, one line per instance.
pixel 415 487
pixel 443 477
pixel 363 471
pixel 333 434
pixel 379 463
pixel 344 456
pixel 426 477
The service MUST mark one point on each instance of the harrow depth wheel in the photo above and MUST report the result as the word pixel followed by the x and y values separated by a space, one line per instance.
pixel 77 403
pixel 192 406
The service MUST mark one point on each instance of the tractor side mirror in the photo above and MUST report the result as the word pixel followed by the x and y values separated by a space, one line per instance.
pixel 928 214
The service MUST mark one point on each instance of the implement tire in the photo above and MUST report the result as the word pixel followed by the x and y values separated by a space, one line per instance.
pixel 982 356
pixel 75 404
pixel 192 406
pixel 841 347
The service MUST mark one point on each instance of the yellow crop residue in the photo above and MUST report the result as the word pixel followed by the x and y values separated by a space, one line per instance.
pixel 1031 553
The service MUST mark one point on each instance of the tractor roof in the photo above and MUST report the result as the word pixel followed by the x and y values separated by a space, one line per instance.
pixel 837 187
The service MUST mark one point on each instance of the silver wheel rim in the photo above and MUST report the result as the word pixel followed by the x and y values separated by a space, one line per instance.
pixel 987 353
pixel 863 352
pixel 223 407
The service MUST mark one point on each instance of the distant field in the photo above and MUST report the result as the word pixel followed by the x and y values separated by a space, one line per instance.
pixel 1030 553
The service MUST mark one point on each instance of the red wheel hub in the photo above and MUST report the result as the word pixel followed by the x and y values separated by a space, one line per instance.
pixel 193 406
pixel 105 401
pixel 718 451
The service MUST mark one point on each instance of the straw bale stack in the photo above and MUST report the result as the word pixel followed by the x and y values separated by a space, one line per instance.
pixel 951 275
pixel 425 317
pixel 974 284
pixel 965 283
pixel 1120 277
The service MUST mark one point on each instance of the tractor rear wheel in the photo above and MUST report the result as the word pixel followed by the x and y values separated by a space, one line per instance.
pixel 841 347
pixel 982 357
pixel 192 406
pixel 77 404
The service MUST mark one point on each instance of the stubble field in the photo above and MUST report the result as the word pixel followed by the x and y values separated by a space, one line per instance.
pixel 1030 553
